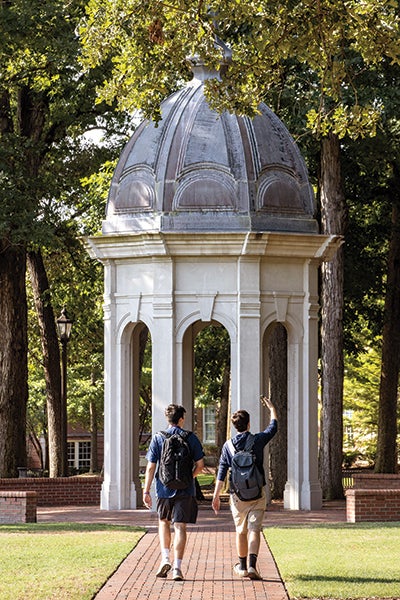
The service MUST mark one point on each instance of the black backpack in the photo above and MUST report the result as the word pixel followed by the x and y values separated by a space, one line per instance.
pixel 246 480
pixel 175 469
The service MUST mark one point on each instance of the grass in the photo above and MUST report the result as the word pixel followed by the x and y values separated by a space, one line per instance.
pixel 57 561
pixel 205 479
pixel 338 561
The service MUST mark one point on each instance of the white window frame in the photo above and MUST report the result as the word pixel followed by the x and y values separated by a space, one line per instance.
pixel 209 421
pixel 76 461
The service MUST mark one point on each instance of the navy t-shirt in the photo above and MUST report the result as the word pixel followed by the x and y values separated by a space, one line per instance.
pixel 154 454
pixel 239 441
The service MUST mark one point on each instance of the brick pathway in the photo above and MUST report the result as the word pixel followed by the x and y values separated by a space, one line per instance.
pixel 210 554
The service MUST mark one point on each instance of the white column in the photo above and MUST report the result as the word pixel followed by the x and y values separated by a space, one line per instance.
pixel 311 494
pixel 164 389
pixel 248 348
pixel 109 491
pixel 302 489
pixel 291 495
pixel 185 374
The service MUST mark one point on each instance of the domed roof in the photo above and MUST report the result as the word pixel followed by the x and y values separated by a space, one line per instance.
pixel 198 170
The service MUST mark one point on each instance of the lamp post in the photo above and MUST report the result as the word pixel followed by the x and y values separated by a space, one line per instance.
pixel 64 326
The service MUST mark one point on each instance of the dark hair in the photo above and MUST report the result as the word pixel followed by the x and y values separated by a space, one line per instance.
pixel 174 412
pixel 240 420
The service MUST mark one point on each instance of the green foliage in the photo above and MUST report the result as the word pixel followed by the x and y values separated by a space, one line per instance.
pixel 148 42
pixel 81 292
pixel 95 188
pixel 47 104
pixel 212 356
pixel 360 404
pixel 145 391
pixel 77 284
pixel 370 191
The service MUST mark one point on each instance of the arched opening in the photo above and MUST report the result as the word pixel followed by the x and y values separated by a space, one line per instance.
pixel 275 373
pixel 141 358
pixel 212 387
pixel 206 384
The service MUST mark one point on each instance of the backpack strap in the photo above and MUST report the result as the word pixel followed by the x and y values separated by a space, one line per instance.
pixel 250 442
pixel 231 447
pixel 248 446
pixel 183 433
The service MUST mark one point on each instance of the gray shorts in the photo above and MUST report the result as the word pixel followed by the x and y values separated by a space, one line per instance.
pixel 179 509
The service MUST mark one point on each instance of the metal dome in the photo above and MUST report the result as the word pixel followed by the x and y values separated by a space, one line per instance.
pixel 198 170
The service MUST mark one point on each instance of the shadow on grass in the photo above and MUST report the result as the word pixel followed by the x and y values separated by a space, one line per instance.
pixel 352 579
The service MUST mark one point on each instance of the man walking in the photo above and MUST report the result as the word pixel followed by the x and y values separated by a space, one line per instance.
pixel 247 514
pixel 177 506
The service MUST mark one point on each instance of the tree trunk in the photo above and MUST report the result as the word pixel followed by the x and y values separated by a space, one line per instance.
pixel 51 359
pixel 387 422
pixel 277 351
pixel 13 359
pixel 334 219
pixel 36 445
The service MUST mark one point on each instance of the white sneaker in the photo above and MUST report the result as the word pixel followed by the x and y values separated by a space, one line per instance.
pixel 240 572
pixel 163 569
pixel 253 573
pixel 177 574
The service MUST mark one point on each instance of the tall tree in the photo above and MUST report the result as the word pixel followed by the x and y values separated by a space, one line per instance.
pixel 277 352
pixel 13 359
pixel 51 359
pixel 387 461
pixel 333 218
pixel 372 173
pixel 45 103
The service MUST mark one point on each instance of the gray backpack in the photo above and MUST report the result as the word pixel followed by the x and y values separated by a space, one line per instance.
pixel 246 481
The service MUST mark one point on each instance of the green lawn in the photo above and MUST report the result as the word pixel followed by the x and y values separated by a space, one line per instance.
pixel 345 561
pixel 205 479
pixel 60 561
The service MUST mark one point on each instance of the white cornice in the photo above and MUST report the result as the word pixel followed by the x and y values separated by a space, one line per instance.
pixel 268 244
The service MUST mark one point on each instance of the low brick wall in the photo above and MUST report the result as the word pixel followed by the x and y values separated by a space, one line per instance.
pixel 376 481
pixel 372 505
pixel 17 507
pixel 373 497
pixel 59 491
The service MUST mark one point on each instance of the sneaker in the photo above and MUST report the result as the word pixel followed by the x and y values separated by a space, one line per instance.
pixel 177 574
pixel 253 573
pixel 240 572
pixel 163 569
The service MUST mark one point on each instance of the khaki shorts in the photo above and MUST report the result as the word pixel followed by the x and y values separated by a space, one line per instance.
pixel 248 515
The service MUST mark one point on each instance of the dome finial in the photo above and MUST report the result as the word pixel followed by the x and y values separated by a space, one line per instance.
pixel 201 71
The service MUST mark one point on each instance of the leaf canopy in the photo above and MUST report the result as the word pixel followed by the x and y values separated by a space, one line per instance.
pixel 334 42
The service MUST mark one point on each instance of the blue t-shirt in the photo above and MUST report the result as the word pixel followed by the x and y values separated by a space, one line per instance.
pixel 154 454
pixel 239 441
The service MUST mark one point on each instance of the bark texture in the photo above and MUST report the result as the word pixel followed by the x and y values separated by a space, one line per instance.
pixel 13 359
pixel 334 221
pixel 277 350
pixel 51 360
pixel 388 394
